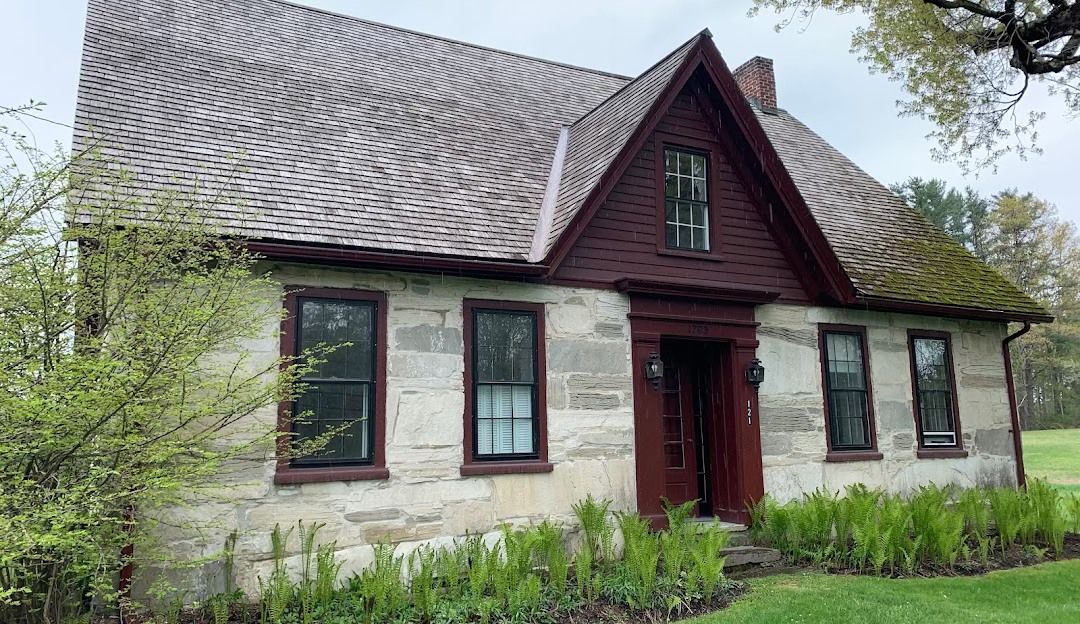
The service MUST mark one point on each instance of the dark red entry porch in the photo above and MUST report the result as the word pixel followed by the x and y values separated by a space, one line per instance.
pixel 696 433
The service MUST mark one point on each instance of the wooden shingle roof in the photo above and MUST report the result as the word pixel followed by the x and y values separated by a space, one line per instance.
pixel 363 136
pixel 887 249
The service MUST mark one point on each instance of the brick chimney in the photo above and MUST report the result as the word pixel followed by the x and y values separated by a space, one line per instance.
pixel 755 79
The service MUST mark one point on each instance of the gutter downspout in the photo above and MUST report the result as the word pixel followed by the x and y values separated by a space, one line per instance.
pixel 1014 413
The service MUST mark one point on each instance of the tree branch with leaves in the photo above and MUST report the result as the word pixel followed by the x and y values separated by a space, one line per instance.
pixel 126 378
pixel 966 65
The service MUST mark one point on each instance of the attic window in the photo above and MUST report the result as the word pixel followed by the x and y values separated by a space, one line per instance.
pixel 686 201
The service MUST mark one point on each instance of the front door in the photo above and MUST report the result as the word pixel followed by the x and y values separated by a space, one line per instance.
pixel 696 434
pixel 691 399
pixel 680 442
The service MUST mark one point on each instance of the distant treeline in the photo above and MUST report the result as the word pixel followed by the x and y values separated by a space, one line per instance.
pixel 1021 236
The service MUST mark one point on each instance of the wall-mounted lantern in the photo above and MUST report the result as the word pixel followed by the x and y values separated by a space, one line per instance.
pixel 654 369
pixel 755 373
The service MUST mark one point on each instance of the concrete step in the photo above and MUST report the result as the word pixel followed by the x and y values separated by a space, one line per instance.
pixel 742 556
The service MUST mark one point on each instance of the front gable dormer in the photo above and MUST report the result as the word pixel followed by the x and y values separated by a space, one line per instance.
pixel 681 212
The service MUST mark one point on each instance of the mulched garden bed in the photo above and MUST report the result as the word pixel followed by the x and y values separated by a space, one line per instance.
pixel 604 613
pixel 592 613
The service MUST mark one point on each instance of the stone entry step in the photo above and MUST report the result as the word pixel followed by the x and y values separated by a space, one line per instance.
pixel 740 536
pixel 743 556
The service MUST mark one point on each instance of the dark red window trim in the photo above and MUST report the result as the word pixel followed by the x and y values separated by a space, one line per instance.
pixel 471 465
pixel 709 149
pixel 841 455
pixel 938 452
pixel 285 473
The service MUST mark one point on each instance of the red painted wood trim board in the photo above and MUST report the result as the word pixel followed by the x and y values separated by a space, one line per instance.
pixel 831 455
pixel 285 473
pixel 1014 412
pixel 470 464
pixel 935 452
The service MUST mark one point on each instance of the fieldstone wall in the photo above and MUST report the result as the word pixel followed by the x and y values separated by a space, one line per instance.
pixel 590 425
pixel 793 435
pixel 590 432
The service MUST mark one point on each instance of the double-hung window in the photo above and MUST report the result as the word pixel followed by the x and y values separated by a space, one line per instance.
pixel 686 200
pixel 848 401
pixel 504 382
pixel 934 390
pixel 338 408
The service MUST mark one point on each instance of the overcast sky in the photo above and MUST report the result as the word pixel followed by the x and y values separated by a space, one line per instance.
pixel 818 80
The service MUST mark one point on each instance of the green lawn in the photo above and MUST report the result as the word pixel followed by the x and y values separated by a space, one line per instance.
pixel 1054 455
pixel 1042 594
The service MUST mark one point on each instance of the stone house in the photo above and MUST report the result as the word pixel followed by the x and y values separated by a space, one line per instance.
pixel 556 281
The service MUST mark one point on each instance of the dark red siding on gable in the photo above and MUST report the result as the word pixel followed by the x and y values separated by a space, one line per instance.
pixel 621 239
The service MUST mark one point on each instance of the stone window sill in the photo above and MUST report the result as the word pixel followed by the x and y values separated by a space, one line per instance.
pixel 852 456
pixel 505 467
pixel 951 453
pixel 290 476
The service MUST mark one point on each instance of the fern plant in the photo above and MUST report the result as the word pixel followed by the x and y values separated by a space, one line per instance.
pixel 708 565
pixel 552 556
pixel 422 582
pixel 380 586
pixel 676 541
pixel 583 574
pixel 219 608
pixel 276 593
pixel 641 556
pixel 1074 512
pixel 1007 511
pixel 975 507
pixel 596 524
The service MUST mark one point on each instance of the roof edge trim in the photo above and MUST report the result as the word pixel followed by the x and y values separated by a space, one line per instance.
pixel 887 304
pixel 402 261
pixel 551 196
